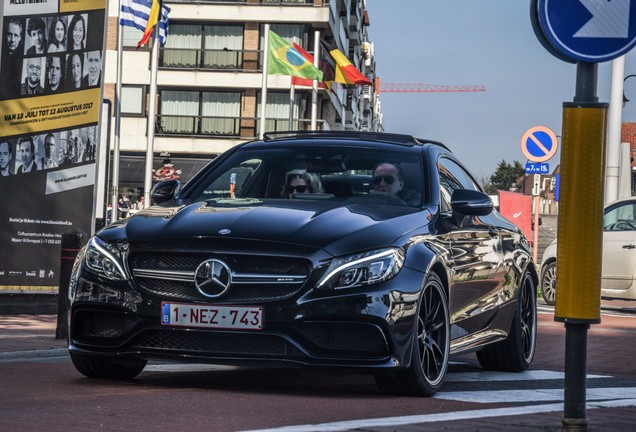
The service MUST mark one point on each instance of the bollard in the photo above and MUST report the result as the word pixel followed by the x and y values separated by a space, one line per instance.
pixel 72 242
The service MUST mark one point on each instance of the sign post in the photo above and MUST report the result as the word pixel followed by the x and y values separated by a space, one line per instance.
pixel 538 144
pixel 585 32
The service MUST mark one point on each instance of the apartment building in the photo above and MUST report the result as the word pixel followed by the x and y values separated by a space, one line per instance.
pixel 210 78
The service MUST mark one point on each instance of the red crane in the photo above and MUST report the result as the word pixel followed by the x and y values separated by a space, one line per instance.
pixel 385 87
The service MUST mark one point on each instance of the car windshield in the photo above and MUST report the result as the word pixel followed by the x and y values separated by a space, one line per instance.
pixel 313 172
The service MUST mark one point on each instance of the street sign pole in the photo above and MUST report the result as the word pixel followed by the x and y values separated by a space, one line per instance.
pixel 585 32
pixel 580 233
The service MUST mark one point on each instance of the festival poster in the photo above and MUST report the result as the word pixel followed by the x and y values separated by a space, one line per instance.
pixel 51 64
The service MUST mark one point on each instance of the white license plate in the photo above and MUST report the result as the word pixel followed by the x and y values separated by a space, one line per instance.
pixel 212 316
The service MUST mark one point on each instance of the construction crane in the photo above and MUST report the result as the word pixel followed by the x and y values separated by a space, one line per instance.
pixel 385 87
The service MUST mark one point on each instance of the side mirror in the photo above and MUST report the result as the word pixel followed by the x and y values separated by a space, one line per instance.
pixel 164 191
pixel 471 203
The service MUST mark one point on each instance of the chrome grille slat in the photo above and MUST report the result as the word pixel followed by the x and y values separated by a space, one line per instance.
pixel 172 276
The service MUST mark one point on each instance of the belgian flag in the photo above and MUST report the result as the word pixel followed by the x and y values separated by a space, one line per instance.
pixel 346 73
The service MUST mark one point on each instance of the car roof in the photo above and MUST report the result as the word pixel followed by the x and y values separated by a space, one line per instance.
pixel 352 136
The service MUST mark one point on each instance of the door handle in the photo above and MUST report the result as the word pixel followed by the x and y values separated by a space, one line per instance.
pixel 629 246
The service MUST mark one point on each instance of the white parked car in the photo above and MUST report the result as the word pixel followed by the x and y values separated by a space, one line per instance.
pixel 619 255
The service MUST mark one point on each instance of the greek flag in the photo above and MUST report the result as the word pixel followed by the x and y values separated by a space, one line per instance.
pixel 136 13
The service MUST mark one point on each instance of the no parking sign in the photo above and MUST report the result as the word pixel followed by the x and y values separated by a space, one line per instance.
pixel 539 144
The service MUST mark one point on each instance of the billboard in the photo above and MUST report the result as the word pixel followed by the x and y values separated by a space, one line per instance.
pixel 51 64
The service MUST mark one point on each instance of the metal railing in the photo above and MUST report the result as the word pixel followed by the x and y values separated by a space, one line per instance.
pixel 188 125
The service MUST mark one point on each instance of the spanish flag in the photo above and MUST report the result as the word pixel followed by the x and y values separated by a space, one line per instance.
pixel 284 59
pixel 152 22
pixel 346 73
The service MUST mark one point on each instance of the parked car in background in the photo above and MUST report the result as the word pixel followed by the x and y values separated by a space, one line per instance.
pixel 619 255
pixel 371 251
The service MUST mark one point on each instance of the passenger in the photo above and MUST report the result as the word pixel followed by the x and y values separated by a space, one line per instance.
pixel 300 181
pixel 388 178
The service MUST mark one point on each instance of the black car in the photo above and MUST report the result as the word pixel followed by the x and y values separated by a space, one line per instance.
pixel 288 251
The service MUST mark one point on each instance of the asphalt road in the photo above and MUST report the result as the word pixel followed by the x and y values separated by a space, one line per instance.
pixel 42 391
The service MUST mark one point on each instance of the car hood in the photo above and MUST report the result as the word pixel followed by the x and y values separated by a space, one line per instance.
pixel 313 224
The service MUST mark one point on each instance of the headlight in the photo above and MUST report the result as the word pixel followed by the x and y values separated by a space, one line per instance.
pixel 105 259
pixel 363 269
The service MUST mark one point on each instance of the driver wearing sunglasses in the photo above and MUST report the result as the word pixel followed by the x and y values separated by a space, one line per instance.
pixel 389 178
pixel 300 181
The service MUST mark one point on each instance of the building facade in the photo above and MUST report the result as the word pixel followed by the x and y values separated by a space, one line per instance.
pixel 210 77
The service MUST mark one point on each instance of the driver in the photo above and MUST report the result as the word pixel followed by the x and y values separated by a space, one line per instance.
pixel 389 178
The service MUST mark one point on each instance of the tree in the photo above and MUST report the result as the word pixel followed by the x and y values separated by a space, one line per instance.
pixel 505 176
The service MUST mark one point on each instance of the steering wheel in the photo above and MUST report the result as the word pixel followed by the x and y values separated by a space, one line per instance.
pixel 624 225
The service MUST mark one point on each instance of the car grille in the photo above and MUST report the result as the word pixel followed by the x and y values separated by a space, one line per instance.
pixel 214 343
pixel 254 278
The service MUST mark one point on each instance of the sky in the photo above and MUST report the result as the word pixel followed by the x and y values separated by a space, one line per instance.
pixel 475 42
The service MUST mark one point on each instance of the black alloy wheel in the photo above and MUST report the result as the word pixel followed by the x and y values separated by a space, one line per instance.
pixel 516 352
pixel 431 347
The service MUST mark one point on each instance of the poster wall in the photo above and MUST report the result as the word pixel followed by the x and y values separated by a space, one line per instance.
pixel 51 64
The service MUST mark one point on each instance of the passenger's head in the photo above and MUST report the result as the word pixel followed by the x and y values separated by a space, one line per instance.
pixel 387 177
pixel 300 181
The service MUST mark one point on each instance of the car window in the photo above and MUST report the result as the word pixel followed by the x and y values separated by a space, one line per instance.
pixel 620 218
pixel 341 174
pixel 452 177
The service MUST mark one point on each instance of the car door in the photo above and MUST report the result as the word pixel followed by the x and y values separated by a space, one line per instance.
pixel 619 248
pixel 477 265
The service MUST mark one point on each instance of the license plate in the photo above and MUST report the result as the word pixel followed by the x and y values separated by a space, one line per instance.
pixel 212 316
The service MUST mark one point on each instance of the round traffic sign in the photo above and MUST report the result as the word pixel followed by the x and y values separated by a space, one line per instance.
pixel 592 31
pixel 539 144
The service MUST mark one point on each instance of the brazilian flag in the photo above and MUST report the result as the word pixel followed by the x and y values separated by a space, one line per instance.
pixel 284 59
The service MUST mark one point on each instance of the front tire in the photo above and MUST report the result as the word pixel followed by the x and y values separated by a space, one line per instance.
pixel 430 350
pixel 548 283
pixel 516 353
pixel 107 367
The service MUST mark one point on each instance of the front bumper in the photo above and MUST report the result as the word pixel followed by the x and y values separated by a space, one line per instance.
pixel 361 327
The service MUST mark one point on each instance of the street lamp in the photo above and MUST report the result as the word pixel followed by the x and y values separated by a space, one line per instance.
pixel 625 100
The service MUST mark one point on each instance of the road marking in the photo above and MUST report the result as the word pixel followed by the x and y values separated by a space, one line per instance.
pixel 442 417
pixel 535 395
pixel 529 375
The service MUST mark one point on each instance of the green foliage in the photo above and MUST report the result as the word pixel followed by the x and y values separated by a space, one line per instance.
pixel 505 176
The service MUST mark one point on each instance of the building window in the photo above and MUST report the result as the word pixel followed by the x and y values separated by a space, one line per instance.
pixel 131 36
pixel 223 47
pixel 277 113
pixel 133 100
pixel 203 46
pixel 200 113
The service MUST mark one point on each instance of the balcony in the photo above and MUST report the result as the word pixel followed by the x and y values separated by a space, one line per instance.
pixel 186 125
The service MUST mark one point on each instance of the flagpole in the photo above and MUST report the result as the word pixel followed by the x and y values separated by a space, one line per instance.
pixel 314 84
pixel 152 109
pixel 261 133
pixel 291 104
pixel 114 214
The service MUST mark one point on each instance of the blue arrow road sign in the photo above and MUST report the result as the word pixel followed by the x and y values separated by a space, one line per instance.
pixel 591 31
